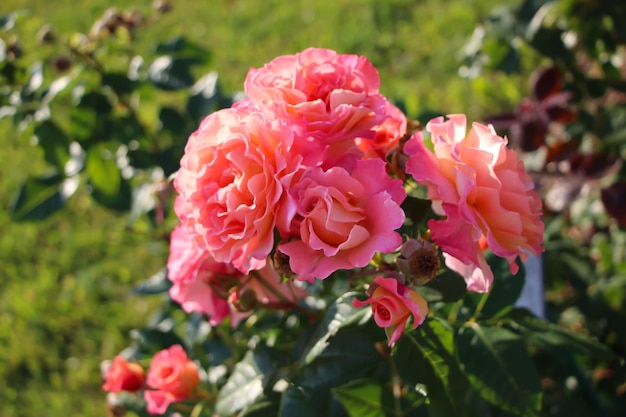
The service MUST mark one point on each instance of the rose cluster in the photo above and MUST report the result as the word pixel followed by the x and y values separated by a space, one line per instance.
pixel 172 377
pixel 294 181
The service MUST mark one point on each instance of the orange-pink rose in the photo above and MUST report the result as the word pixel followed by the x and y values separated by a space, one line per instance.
pixel 333 96
pixel 484 192
pixel 231 183
pixel 392 305
pixel 123 376
pixel 172 377
pixel 342 219
pixel 387 135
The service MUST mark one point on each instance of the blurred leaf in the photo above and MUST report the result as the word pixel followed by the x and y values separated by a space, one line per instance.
pixel 549 335
pixel 205 97
pixel 156 284
pixel 338 315
pixel 427 357
pixel 415 208
pixel 38 198
pixel 171 120
pixel 262 408
pixel 170 73
pixel 295 403
pixel 348 354
pixel 54 143
pixel 118 82
pixel 35 80
pixel 181 47
pixel 88 117
pixel 245 384
pixel 152 339
pixel 499 368
pixel 104 174
pixel 197 329
pixel 361 400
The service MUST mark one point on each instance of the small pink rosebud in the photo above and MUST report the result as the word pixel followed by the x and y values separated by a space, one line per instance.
pixel 242 299
pixel 123 376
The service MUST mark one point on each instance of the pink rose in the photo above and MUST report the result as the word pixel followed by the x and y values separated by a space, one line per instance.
pixel 204 285
pixel 231 183
pixel 123 376
pixel 172 376
pixel 333 96
pixel 392 305
pixel 387 136
pixel 342 219
pixel 484 192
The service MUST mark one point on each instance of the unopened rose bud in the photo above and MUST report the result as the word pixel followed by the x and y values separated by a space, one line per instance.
pixel 419 261
pixel 281 264
pixel 46 34
pixel 61 63
pixel 242 299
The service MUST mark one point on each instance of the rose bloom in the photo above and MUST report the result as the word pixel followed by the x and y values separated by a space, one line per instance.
pixel 333 96
pixel 387 135
pixel 231 185
pixel 484 192
pixel 343 219
pixel 172 377
pixel 123 376
pixel 392 305
pixel 203 285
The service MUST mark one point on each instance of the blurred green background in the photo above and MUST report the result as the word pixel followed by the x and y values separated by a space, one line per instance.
pixel 65 282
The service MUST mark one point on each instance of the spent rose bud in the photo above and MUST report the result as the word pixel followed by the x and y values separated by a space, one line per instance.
pixel 419 261
pixel 393 304
pixel 122 375
pixel 172 377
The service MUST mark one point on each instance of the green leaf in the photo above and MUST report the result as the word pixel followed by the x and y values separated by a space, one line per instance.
pixel 295 403
pixel 38 198
pixel 427 357
pixel 181 47
pixel 361 400
pixel 169 73
pixel 264 408
pixel 415 208
pixel 506 288
pixel 348 354
pixel 245 384
pixel 205 97
pixel 497 365
pixel 119 82
pixel 88 117
pixel 156 284
pixel 152 339
pixel 54 143
pixel 104 174
pixel 549 335
pixel 171 120
pixel 338 315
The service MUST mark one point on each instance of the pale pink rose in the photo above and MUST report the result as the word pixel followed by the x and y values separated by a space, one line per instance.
pixel 172 377
pixel 334 96
pixel 387 135
pixel 484 192
pixel 231 184
pixel 343 219
pixel 122 375
pixel 392 305
pixel 201 284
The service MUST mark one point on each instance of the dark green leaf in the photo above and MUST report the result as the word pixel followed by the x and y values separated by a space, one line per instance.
pixel 170 73
pixel 245 384
pixel 118 82
pixel 171 120
pixel 181 47
pixel 156 284
pixel 549 335
pixel 506 288
pixel 415 208
pixel 361 400
pixel 153 339
pixel 54 142
pixel 205 97
pixel 120 201
pixel 427 356
pixel 338 315
pixel 264 408
pixel 38 198
pixel 497 365
pixel 347 355
pixel 88 117
pixel 295 403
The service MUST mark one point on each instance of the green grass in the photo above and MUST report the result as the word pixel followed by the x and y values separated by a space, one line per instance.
pixel 64 282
